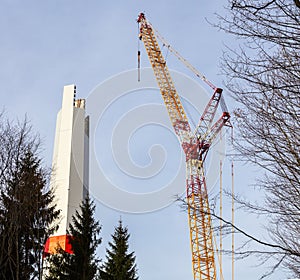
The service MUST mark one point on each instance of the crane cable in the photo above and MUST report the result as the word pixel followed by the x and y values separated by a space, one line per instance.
pixel 218 255
pixel 139 57
pixel 221 214
pixel 182 59
pixel 189 66
pixel 232 212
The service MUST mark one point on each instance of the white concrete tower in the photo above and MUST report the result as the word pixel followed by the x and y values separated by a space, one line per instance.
pixel 69 178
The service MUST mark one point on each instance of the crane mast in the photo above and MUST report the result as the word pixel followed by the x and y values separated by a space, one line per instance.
pixel 195 146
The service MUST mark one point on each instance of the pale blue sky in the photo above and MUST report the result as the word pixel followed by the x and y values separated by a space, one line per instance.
pixel 45 45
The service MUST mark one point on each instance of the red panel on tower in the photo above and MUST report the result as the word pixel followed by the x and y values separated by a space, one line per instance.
pixel 53 243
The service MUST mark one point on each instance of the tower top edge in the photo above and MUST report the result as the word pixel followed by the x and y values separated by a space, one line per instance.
pixel 79 103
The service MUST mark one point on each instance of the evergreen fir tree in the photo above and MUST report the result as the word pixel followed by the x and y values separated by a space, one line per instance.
pixel 82 264
pixel 58 265
pixel 120 264
pixel 27 214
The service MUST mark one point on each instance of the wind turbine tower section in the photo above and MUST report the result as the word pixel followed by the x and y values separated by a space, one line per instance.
pixel 70 165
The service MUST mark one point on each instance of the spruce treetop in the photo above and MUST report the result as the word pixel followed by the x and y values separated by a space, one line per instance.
pixel 120 264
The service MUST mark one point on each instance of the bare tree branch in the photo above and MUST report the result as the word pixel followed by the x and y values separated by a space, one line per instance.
pixel 264 80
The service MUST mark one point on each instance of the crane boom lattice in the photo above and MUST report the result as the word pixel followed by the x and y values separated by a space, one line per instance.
pixel 168 91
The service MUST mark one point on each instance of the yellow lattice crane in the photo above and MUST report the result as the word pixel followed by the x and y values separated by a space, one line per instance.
pixel 195 146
